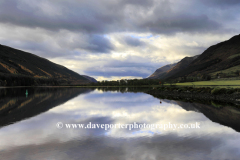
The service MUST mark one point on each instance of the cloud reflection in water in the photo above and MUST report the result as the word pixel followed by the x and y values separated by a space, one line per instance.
pixel 38 138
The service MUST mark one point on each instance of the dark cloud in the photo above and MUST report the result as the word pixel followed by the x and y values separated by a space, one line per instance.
pixel 180 23
pixel 71 16
pixel 135 42
pixel 89 43
pixel 221 3
pixel 144 3
pixel 59 46
pixel 97 17
pixel 99 44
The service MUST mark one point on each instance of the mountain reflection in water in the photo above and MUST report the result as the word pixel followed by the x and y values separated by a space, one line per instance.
pixel 29 126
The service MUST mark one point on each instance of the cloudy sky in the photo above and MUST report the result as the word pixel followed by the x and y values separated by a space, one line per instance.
pixel 114 39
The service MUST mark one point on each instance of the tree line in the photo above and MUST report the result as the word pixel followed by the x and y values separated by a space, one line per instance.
pixel 127 82
pixel 12 80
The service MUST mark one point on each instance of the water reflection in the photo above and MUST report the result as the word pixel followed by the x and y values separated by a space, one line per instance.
pixel 38 138
pixel 17 104
pixel 227 115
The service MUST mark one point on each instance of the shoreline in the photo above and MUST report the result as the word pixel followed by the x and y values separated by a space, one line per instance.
pixel 233 99
pixel 125 86
pixel 186 93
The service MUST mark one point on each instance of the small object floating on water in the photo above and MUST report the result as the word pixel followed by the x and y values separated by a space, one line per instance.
pixel 26 93
pixel 160 101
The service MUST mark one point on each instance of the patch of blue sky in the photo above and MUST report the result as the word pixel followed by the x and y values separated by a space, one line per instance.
pixel 146 132
pixel 106 36
pixel 143 37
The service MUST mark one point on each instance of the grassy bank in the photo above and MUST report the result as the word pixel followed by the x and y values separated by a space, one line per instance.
pixel 219 83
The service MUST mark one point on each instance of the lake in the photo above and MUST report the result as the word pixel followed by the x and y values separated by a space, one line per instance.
pixel 93 124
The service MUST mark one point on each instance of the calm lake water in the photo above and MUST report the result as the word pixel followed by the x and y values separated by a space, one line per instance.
pixel 28 127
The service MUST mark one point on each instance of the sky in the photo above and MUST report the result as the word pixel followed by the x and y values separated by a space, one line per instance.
pixel 117 39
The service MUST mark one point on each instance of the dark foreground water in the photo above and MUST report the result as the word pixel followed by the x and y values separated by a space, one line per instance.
pixel 29 131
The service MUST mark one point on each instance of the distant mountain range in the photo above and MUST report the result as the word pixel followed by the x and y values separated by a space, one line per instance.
pixel 223 57
pixel 90 78
pixel 19 68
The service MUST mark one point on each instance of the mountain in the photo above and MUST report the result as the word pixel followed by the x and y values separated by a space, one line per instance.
pixel 90 78
pixel 19 68
pixel 222 58
pixel 171 69
pixel 160 72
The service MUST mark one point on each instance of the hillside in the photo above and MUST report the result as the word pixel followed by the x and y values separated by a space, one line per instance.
pixel 218 57
pixel 19 68
pixel 160 72
pixel 181 65
pixel 222 58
